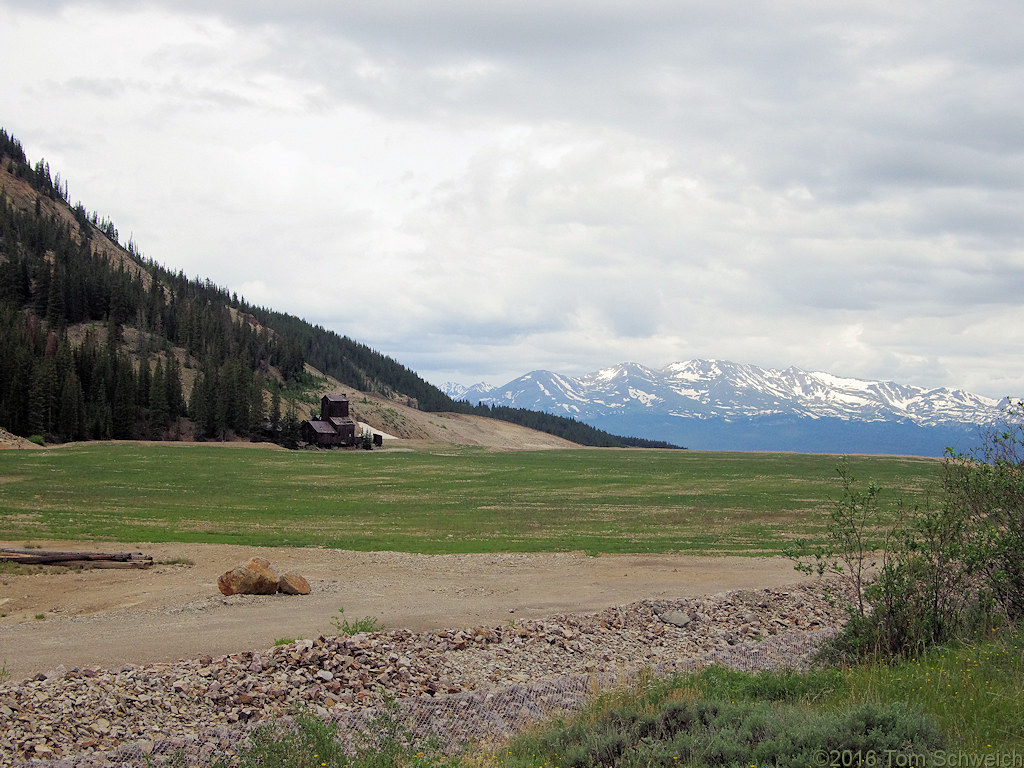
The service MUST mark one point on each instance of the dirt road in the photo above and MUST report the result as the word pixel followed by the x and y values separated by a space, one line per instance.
pixel 108 618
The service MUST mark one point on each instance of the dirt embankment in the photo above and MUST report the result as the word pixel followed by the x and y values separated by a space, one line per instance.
pixel 7 440
pixel 107 618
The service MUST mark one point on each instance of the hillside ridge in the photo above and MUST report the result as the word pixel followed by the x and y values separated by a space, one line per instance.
pixel 98 342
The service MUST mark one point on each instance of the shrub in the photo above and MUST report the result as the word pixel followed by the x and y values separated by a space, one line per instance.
pixel 986 488
pixel 716 731
pixel 905 571
pixel 944 570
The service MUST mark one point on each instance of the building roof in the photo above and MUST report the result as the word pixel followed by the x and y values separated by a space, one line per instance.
pixel 336 398
pixel 321 427
pixel 338 421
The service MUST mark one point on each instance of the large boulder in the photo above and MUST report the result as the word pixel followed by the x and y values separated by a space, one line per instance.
pixel 292 583
pixel 256 577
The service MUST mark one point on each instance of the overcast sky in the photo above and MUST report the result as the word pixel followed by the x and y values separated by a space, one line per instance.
pixel 480 189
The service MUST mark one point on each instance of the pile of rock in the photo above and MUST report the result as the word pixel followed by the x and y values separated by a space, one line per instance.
pixel 204 705
pixel 259 576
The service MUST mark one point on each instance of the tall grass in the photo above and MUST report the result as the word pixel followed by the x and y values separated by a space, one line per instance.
pixel 974 690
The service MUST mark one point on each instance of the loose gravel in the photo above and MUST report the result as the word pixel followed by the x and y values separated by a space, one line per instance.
pixel 465 684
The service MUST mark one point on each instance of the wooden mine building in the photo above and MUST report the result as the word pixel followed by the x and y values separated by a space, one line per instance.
pixel 334 427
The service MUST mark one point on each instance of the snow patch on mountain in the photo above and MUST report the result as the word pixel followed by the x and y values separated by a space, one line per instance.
pixel 719 389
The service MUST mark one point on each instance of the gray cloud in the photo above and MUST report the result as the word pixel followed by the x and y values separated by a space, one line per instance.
pixel 567 184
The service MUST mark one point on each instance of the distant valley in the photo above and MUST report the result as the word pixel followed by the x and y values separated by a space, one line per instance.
pixel 722 405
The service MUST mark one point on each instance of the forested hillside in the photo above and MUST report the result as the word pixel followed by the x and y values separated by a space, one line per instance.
pixel 97 342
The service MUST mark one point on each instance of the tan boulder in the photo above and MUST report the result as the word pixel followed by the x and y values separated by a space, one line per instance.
pixel 256 577
pixel 292 583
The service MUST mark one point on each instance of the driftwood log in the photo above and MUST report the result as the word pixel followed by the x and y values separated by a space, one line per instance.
pixel 94 559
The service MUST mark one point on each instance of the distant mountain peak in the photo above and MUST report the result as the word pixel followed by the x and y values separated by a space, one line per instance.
pixel 631 394
pixel 457 391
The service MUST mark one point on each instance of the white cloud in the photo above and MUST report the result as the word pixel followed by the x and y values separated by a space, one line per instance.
pixel 563 185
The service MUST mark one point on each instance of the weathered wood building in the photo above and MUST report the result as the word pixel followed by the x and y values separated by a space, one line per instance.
pixel 334 427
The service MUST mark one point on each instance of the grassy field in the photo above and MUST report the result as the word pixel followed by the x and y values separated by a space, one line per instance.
pixel 459 500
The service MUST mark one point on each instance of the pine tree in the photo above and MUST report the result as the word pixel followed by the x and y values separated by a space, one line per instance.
pixel 275 411
pixel 123 408
pixel 159 407
pixel 45 392
pixel 55 310
pixel 175 396
pixel 290 427
pixel 204 402
pixel 257 406
pixel 144 382
pixel 41 288
pixel 71 422
pixel 20 392
pixel 224 401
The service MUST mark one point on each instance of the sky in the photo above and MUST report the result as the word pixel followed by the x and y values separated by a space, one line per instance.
pixel 481 189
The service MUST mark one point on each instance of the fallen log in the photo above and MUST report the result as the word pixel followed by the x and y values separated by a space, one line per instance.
pixel 103 563
pixel 96 559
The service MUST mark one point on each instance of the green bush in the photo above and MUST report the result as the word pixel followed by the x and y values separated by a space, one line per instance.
pixel 934 572
pixel 37 439
pixel 986 488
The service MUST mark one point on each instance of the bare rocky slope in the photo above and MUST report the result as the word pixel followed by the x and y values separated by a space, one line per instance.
pixel 400 420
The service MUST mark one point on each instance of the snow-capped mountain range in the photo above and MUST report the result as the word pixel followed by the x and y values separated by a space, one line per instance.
pixel 705 400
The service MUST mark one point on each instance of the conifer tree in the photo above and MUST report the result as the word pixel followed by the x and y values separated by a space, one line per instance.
pixel 144 383
pixel 71 424
pixel 257 406
pixel 290 427
pixel 275 411
pixel 123 408
pixel 203 404
pixel 45 392
pixel 175 396
pixel 223 401
pixel 159 407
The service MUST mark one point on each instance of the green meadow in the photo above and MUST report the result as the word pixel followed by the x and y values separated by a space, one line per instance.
pixel 442 501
